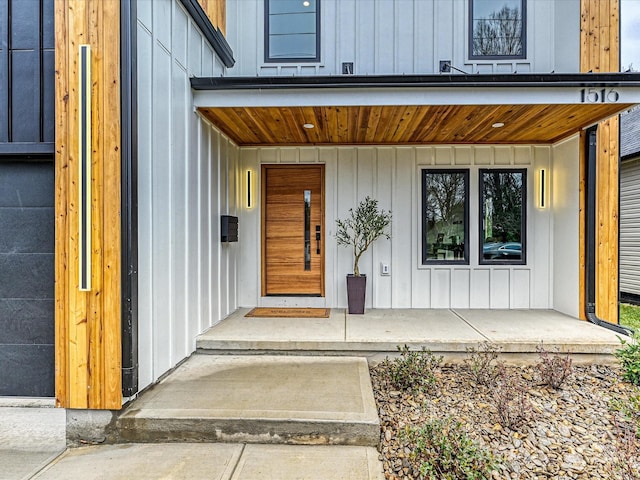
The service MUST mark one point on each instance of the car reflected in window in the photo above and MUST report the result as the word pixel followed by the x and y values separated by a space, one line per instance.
pixel 505 251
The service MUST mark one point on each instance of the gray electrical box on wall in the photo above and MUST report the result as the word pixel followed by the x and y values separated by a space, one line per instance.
pixel 229 228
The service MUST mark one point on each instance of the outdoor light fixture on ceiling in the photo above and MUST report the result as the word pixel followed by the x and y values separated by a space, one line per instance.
pixel 306 3
pixel 308 125
pixel 84 169
pixel 542 193
pixel 498 125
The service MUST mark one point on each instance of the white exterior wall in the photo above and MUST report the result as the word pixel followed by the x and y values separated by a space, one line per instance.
pixel 565 198
pixel 392 175
pixel 384 37
pixel 186 180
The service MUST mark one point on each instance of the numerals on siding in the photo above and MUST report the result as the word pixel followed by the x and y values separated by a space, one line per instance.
pixel 599 95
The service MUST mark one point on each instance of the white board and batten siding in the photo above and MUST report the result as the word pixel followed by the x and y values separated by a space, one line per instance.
pixel 186 181
pixel 630 227
pixel 392 175
pixel 383 37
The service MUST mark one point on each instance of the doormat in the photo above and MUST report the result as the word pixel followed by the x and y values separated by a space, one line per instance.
pixel 289 312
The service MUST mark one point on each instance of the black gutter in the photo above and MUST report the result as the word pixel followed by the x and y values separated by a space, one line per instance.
pixel 213 35
pixel 590 240
pixel 129 206
pixel 609 80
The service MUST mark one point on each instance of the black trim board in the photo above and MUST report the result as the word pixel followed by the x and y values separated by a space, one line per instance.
pixel 20 149
pixel 515 80
pixel 213 35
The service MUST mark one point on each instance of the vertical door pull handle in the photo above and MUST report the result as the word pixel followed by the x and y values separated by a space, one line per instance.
pixel 318 239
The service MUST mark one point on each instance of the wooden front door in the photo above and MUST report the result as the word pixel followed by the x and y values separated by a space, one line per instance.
pixel 293 230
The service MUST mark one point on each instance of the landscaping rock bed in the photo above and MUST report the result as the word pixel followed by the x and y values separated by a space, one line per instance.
pixel 572 433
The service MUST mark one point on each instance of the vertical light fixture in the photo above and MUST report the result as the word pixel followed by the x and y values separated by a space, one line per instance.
pixel 542 189
pixel 249 205
pixel 84 162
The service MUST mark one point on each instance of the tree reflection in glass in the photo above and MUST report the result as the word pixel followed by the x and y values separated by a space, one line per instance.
pixel 503 218
pixel 445 215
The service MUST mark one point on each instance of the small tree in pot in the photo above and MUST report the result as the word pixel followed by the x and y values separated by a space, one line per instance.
pixel 359 230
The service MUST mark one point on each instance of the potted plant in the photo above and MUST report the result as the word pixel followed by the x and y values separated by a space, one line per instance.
pixel 359 230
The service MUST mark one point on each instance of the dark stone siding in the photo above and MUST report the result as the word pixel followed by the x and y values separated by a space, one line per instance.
pixel 26 278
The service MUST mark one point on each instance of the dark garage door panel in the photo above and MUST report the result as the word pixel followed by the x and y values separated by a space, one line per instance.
pixel 26 278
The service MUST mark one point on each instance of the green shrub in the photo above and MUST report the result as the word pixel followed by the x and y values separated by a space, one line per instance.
pixel 629 356
pixel 629 409
pixel 414 371
pixel 444 451
pixel 511 400
pixel 483 363
pixel 554 368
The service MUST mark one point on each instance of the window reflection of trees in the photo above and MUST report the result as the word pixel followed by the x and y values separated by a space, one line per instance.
pixel 445 210
pixel 502 198
pixel 445 201
pixel 498 33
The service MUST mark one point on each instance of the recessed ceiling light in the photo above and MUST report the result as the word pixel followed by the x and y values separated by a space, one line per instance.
pixel 498 125
pixel 306 3
pixel 308 125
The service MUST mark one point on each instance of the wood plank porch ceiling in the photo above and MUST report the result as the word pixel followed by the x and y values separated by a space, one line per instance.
pixel 412 124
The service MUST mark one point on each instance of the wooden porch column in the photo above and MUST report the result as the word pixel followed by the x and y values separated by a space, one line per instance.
pixel 88 337
pixel 600 52
pixel 216 10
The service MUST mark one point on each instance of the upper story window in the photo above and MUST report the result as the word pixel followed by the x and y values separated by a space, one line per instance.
pixel 498 29
pixel 292 30
pixel 503 204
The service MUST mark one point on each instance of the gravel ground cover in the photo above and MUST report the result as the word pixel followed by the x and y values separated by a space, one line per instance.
pixel 572 432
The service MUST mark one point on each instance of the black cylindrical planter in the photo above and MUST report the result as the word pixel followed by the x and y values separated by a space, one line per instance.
pixel 356 289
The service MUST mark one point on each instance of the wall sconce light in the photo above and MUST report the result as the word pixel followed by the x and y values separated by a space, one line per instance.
pixel 542 194
pixel 84 172
pixel 249 203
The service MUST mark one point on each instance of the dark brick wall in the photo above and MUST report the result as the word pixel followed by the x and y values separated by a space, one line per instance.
pixel 26 278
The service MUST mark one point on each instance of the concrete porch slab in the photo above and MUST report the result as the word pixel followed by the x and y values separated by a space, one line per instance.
pixel 379 332
pixel 520 331
pixel 259 399
pixel 395 327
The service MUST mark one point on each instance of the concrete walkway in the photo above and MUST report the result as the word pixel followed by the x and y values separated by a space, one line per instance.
pixel 32 434
pixel 258 399
pixel 378 333
pixel 215 462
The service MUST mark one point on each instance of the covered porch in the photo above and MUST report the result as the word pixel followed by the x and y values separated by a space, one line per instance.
pixel 447 332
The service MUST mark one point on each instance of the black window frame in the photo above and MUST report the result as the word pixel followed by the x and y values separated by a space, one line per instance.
pixel 523 33
pixel 423 178
pixel 268 59
pixel 523 220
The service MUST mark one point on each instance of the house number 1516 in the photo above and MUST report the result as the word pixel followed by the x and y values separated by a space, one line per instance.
pixel 599 95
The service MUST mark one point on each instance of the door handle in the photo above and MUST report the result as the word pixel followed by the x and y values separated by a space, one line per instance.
pixel 318 239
